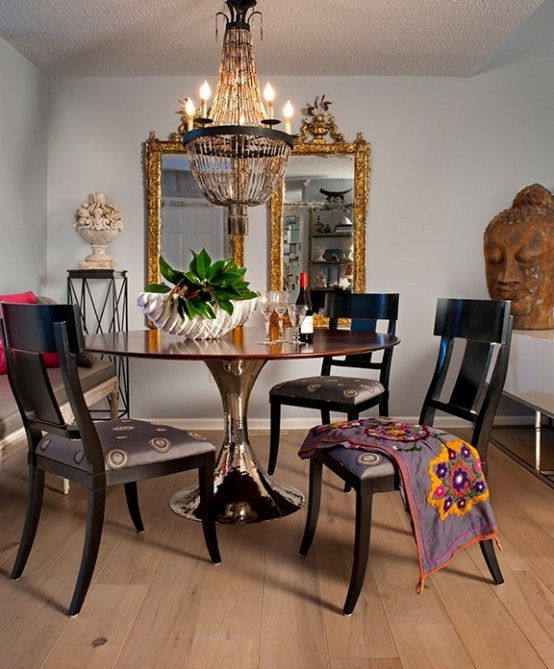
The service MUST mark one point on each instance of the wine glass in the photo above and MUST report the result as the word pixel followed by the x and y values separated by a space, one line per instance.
pixel 265 302
pixel 280 304
pixel 297 313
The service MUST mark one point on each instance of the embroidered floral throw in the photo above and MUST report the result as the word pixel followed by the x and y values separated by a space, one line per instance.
pixel 442 483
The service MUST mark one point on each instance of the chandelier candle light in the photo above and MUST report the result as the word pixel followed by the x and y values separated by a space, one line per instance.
pixel 236 156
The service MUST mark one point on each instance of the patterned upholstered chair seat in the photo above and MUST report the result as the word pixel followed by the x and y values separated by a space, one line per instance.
pixel 127 443
pixel 362 464
pixel 342 389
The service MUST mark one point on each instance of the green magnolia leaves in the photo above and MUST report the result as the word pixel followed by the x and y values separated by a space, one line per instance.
pixel 204 285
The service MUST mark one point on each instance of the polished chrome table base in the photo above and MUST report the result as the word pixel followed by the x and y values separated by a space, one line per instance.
pixel 241 497
pixel 244 492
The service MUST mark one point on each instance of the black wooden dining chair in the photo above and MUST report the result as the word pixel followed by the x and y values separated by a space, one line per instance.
pixel 345 394
pixel 473 386
pixel 93 454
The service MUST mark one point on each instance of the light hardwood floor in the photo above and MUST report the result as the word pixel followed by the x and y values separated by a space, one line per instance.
pixel 157 602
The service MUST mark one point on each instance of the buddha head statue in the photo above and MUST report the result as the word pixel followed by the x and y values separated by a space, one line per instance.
pixel 519 258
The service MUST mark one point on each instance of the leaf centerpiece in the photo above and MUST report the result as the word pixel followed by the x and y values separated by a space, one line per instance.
pixel 208 290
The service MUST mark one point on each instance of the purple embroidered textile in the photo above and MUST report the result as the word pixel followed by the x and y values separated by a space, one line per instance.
pixel 442 483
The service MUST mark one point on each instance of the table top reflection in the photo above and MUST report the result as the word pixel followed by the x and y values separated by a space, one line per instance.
pixel 241 343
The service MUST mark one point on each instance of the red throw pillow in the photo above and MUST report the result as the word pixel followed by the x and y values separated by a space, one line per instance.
pixel 20 298
pixel 50 359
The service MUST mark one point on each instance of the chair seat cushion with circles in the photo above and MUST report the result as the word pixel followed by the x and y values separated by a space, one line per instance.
pixel 342 389
pixel 363 464
pixel 127 443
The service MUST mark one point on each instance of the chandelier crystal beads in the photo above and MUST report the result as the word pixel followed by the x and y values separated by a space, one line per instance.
pixel 236 156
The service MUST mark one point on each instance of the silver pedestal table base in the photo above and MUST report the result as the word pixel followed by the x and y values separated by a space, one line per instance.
pixel 244 492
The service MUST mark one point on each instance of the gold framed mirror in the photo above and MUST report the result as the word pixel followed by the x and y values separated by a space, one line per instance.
pixel 318 217
pixel 169 187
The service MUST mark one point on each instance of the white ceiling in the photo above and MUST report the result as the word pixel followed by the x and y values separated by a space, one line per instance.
pixel 122 38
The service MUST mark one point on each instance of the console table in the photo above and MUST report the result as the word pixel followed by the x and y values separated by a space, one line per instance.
pixel 102 298
pixel 530 378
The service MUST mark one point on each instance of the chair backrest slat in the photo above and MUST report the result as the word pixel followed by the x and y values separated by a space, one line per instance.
pixel 477 320
pixel 472 378
pixel 364 310
pixel 486 327
pixel 35 387
pixel 28 332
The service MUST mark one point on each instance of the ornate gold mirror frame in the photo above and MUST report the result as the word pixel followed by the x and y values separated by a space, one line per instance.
pixel 318 123
pixel 154 150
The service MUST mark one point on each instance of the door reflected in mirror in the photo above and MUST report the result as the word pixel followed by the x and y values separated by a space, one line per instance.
pixel 178 216
pixel 188 220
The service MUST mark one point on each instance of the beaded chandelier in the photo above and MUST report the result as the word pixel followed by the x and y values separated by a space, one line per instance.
pixel 236 156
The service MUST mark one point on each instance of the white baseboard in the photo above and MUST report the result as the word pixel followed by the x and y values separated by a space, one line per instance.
pixel 9 439
pixel 305 423
pixel 15 441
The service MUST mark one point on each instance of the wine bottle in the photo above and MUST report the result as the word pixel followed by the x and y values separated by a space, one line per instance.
pixel 307 325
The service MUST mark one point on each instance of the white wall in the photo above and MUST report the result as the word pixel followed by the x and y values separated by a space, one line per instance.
pixel 448 154
pixel 23 108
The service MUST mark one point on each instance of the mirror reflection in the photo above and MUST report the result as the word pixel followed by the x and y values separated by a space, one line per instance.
pixel 179 218
pixel 317 225
pixel 318 218
pixel 188 220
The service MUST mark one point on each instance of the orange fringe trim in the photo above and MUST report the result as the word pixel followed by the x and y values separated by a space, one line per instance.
pixel 421 583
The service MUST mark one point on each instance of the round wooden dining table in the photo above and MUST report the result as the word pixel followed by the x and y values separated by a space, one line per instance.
pixel 244 492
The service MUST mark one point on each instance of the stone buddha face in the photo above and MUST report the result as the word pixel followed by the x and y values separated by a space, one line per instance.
pixel 519 258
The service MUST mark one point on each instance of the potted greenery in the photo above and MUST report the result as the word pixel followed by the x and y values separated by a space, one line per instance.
pixel 204 302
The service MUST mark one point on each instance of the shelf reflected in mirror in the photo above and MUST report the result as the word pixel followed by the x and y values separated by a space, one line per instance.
pixel 318 218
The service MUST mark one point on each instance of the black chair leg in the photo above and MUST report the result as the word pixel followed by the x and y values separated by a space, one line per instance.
pixel 487 548
pixel 325 416
pixel 95 522
pixel 314 502
pixel 274 436
pixel 207 507
pixel 131 495
pixel 32 516
pixel 364 501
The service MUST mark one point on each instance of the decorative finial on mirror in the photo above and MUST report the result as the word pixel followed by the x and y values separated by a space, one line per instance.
pixel 319 122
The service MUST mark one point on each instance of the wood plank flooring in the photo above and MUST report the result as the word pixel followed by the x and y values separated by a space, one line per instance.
pixel 157 602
